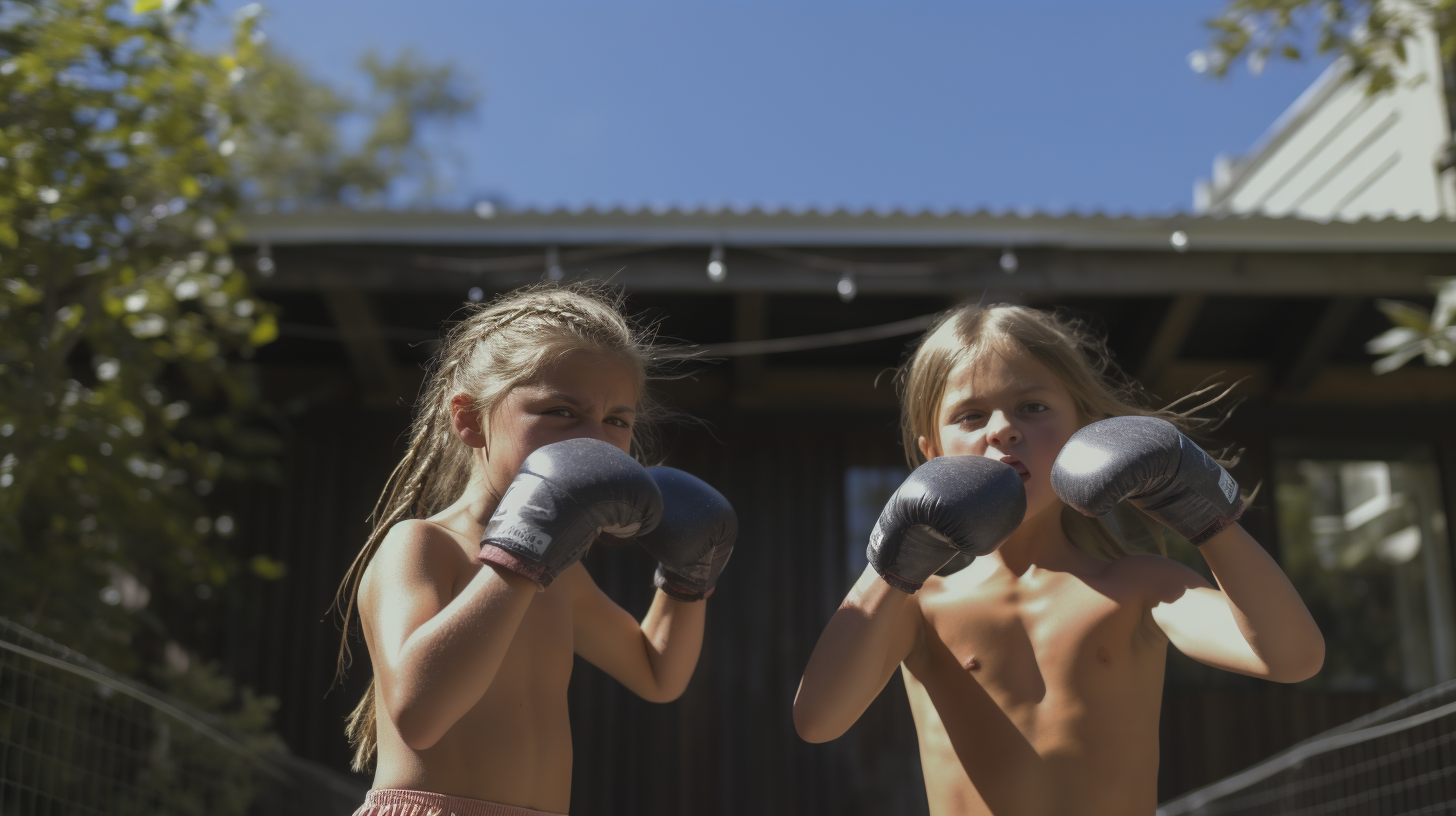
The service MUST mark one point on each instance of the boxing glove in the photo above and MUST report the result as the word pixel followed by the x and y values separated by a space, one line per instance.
pixel 564 495
pixel 1146 461
pixel 695 537
pixel 950 505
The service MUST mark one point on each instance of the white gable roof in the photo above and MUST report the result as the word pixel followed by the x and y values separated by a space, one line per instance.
pixel 1341 154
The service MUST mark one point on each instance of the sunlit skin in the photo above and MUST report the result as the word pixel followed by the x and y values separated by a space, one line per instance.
pixel 1035 675
pixel 473 662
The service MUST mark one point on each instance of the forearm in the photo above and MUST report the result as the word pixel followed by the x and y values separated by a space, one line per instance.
pixel 672 634
pixel 1269 612
pixel 851 661
pixel 449 662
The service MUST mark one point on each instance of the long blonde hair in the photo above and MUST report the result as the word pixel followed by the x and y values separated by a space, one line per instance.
pixel 492 350
pixel 1079 359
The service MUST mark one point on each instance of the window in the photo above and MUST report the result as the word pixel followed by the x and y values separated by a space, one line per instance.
pixel 1365 542
pixel 866 489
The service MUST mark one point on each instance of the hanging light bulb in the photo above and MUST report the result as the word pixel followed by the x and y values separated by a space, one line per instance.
pixel 265 260
pixel 553 264
pixel 717 270
pixel 1009 263
pixel 846 287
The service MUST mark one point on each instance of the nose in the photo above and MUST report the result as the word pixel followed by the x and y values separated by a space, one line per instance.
pixel 1001 432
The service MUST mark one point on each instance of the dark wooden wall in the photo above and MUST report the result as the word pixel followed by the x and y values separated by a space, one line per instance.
pixel 728 745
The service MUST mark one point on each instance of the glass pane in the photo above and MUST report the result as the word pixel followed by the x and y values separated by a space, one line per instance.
pixel 866 489
pixel 1364 541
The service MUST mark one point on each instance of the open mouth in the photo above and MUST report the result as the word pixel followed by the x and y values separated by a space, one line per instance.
pixel 1016 463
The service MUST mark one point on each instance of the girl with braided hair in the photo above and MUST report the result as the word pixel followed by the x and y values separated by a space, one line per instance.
pixel 471 639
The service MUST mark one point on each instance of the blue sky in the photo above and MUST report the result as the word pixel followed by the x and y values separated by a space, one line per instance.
pixel 1082 105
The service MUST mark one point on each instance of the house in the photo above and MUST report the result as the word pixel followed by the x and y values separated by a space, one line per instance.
pixel 808 310
pixel 1340 153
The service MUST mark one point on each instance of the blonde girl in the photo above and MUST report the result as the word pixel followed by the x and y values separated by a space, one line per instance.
pixel 1035 673
pixel 467 710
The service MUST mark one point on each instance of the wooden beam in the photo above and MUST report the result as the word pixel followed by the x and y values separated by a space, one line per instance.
pixel 1186 376
pixel 1414 383
pixel 750 322
pixel 1331 327
pixel 360 332
pixel 1168 341
pixel 1041 273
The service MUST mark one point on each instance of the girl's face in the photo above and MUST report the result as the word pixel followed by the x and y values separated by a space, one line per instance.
pixel 1010 408
pixel 584 395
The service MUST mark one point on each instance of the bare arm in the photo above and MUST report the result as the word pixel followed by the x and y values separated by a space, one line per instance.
pixel 435 656
pixel 873 630
pixel 656 658
pixel 1256 625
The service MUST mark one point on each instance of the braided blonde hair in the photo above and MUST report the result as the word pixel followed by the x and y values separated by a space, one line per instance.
pixel 1081 361
pixel 495 348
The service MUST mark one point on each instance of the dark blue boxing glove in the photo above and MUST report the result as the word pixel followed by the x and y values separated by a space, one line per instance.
pixel 695 537
pixel 1146 461
pixel 950 505
pixel 564 495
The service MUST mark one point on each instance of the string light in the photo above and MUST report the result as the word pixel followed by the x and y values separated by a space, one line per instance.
pixel 1009 263
pixel 1179 240
pixel 553 264
pixel 717 269
pixel 265 263
pixel 847 288
pixel 476 294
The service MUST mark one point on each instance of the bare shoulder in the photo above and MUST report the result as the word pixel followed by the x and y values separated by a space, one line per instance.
pixel 414 552
pixel 1155 576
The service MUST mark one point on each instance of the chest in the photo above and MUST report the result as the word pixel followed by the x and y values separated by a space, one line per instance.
pixel 544 636
pixel 1065 633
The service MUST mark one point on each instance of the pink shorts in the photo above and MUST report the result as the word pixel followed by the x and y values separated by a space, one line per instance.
pixel 424 803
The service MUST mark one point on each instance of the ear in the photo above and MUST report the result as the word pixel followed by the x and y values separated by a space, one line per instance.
pixel 927 449
pixel 467 421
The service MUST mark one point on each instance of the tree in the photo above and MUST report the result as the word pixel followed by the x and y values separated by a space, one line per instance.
pixel 290 154
pixel 1370 34
pixel 121 310
pixel 125 322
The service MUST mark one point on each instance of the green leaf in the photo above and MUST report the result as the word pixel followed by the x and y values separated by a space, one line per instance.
pixel 144 6
pixel 1443 317
pixel 264 331
pixel 1386 365
pixel 267 569
pixel 1405 314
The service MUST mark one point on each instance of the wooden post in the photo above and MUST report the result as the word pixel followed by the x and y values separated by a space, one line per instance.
pixel 750 322
pixel 368 353
pixel 1169 340
pixel 1332 325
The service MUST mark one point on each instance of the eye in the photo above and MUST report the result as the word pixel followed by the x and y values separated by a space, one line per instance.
pixel 561 412
pixel 619 422
pixel 968 418
pixel 1035 407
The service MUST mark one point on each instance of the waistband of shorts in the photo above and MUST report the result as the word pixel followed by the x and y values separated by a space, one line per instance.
pixel 400 802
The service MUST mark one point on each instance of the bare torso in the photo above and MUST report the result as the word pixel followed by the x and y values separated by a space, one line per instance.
pixel 1040 693
pixel 514 745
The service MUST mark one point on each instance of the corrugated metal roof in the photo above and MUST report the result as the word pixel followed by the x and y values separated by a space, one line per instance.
pixel 756 226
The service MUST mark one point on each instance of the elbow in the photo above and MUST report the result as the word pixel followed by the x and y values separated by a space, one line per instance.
pixel 415 727
pixel 417 736
pixel 811 728
pixel 661 695
pixel 1303 664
